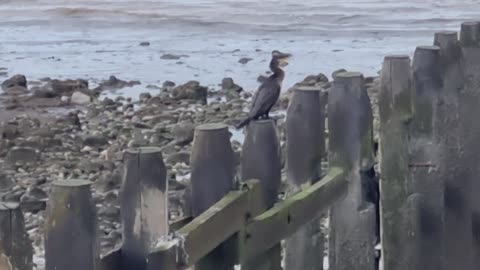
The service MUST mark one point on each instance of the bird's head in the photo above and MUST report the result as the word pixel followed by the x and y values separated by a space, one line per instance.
pixel 282 58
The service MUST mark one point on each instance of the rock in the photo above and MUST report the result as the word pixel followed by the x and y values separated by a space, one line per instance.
pixel 144 97
pixel 183 133
pixel 43 92
pixel 178 157
pixel 115 83
pixel 9 131
pixel 65 99
pixel 244 60
pixel 261 78
pixel 17 80
pixel 228 84
pixel 168 84
pixel 231 95
pixel 16 90
pixel 144 43
pixel 95 140
pixel 169 56
pixel 315 79
pixel 22 155
pixel 80 98
pixel 33 200
pixel 338 71
pixel 108 102
pixel 67 87
pixel 191 90
pixel 110 211
pixel 6 183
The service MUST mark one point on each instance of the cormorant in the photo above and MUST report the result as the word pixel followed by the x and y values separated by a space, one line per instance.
pixel 269 91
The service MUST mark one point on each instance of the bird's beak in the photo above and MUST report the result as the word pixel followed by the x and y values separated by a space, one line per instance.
pixel 283 59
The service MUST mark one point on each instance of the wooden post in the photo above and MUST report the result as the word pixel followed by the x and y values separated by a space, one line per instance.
pixel 457 213
pixel 15 246
pixel 396 112
pixel 261 159
pixel 212 174
pixel 144 204
pixel 304 152
pixel 426 154
pixel 70 231
pixel 350 122
pixel 469 98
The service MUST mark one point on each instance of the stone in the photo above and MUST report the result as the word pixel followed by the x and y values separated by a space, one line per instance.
pixel 22 155
pixel 144 43
pixel 9 131
pixel 80 98
pixel 67 87
pixel 338 71
pixel 144 97
pixel 6 183
pixel 95 140
pixel 115 83
pixel 244 60
pixel 229 85
pixel 43 92
pixel 168 84
pixel 169 56
pixel 183 133
pixel 16 80
pixel 178 157
pixel 191 90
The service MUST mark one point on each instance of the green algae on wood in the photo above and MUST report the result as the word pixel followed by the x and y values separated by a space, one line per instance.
pixel 288 216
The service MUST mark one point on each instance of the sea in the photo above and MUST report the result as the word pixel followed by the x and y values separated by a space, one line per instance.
pixel 93 39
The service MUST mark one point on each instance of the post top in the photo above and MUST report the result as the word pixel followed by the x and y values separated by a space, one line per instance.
pixel 144 150
pixel 349 74
pixel 9 206
pixel 397 57
pixel 71 183
pixel 470 23
pixel 211 127
pixel 428 48
pixel 447 33
pixel 307 88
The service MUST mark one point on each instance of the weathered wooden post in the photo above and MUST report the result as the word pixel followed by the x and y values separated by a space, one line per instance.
pixel 15 246
pixel 71 232
pixel 144 205
pixel 396 112
pixel 469 98
pixel 261 159
pixel 305 150
pixel 426 153
pixel 457 213
pixel 212 173
pixel 352 223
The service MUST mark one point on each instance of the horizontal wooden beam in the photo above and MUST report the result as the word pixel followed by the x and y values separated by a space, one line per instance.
pixel 177 224
pixel 287 217
pixel 210 229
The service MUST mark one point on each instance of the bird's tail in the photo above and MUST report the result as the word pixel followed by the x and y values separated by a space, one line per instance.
pixel 244 123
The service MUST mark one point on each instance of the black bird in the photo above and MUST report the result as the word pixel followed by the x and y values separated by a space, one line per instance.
pixel 269 91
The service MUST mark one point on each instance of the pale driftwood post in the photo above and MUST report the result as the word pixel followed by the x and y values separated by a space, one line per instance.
pixel 144 204
pixel 352 238
pixel 212 174
pixel 305 150
pixel 396 112
pixel 426 152
pixel 469 100
pixel 70 231
pixel 261 160
pixel 15 247
pixel 457 213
